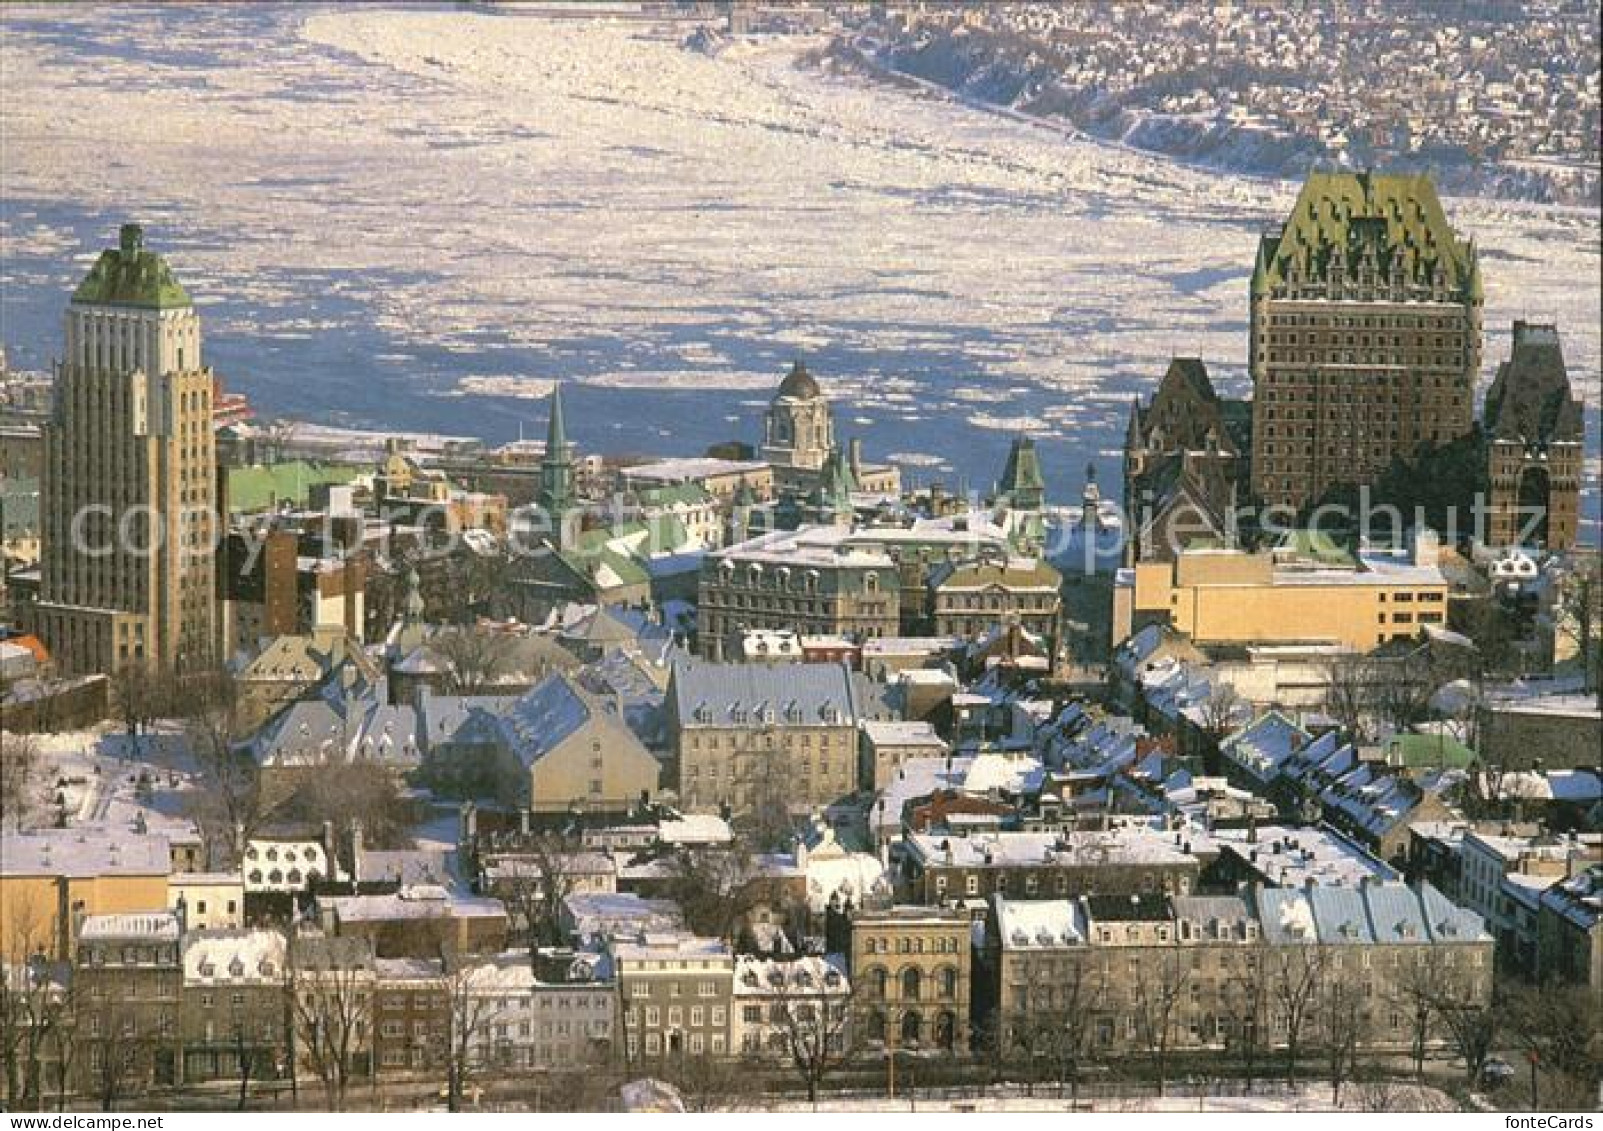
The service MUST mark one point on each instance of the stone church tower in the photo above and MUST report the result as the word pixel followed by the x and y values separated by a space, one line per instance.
pixel 799 430
pixel 129 507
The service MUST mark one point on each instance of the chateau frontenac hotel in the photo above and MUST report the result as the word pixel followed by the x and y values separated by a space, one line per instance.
pixel 1365 332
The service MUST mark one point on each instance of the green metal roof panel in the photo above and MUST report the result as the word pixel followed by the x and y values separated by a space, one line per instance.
pixel 1397 217
pixel 256 488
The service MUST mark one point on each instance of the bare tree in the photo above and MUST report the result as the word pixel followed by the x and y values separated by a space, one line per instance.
pixel 475 661
pixel 716 888
pixel 472 1011
pixel 331 1009
pixel 1082 996
pixel 535 881
pixel 341 792
pixel 1340 1025
pixel 229 793
pixel 810 1004
pixel 137 688
pixel 1559 1032
pixel 19 777
pixel 35 1009
pixel 1579 609
pixel 1297 974
pixel 1219 710
pixel 1349 694
pixel 763 789
pixel 1248 1004
pixel 1415 991
pixel 1160 987
pixel 1472 1025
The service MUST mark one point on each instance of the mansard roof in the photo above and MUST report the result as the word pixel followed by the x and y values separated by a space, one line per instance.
pixel 1394 221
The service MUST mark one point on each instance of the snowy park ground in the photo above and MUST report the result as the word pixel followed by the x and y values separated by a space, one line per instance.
pixel 1181 1098
pixel 420 218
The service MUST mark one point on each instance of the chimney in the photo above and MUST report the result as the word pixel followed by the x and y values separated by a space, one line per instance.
pixel 523 821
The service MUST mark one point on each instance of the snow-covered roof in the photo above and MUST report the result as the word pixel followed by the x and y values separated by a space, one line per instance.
pixel 161 926
pixel 1125 845
pixel 84 852
pixel 1040 924
pixel 810 975
pixel 1288 857
pixel 234 957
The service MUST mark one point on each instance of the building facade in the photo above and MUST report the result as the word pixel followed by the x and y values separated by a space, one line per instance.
pixel 753 737
pixel 968 599
pixel 912 966
pixel 235 1012
pixel 675 997
pixel 129 565
pixel 128 987
pixel 812 581
pixel 1365 330
pixel 1534 434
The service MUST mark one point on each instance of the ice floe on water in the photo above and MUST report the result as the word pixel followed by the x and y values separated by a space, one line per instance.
pixel 382 207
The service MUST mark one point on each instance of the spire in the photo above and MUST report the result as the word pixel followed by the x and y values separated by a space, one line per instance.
pixel 556 440
pixel 557 488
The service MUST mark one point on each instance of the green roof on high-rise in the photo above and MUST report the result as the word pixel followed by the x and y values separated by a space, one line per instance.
pixel 1395 217
pixel 129 275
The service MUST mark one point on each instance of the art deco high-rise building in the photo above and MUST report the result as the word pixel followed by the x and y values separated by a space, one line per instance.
pixel 1365 332
pixel 130 474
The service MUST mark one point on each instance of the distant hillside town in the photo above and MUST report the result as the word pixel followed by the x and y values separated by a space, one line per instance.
pixel 1496 99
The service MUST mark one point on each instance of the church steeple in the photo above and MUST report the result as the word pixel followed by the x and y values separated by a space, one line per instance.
pixel 556 466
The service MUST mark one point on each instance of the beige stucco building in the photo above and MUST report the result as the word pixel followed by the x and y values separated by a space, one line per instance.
pixel 1233 597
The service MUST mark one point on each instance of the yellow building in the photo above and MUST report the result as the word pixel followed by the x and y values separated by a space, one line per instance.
pixel 1305 591
pixel 51 879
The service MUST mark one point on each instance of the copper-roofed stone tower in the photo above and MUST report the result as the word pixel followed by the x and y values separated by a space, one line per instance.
pixel 799 430
pixel 1365 334
pixel 129 564
pixel 1534 433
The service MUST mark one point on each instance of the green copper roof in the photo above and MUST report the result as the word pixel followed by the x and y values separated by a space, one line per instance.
pixel 1396 219
pixel 128 275
pixel 556 437
pixel 1022 482
pixel 1428 752
pixel 255 488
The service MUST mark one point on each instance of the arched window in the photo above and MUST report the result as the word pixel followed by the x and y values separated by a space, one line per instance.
pixel 912 982
pixel 876 1026
pixel 880 981
pixel 948 982
pixel 912 1025
pixel 946 1030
